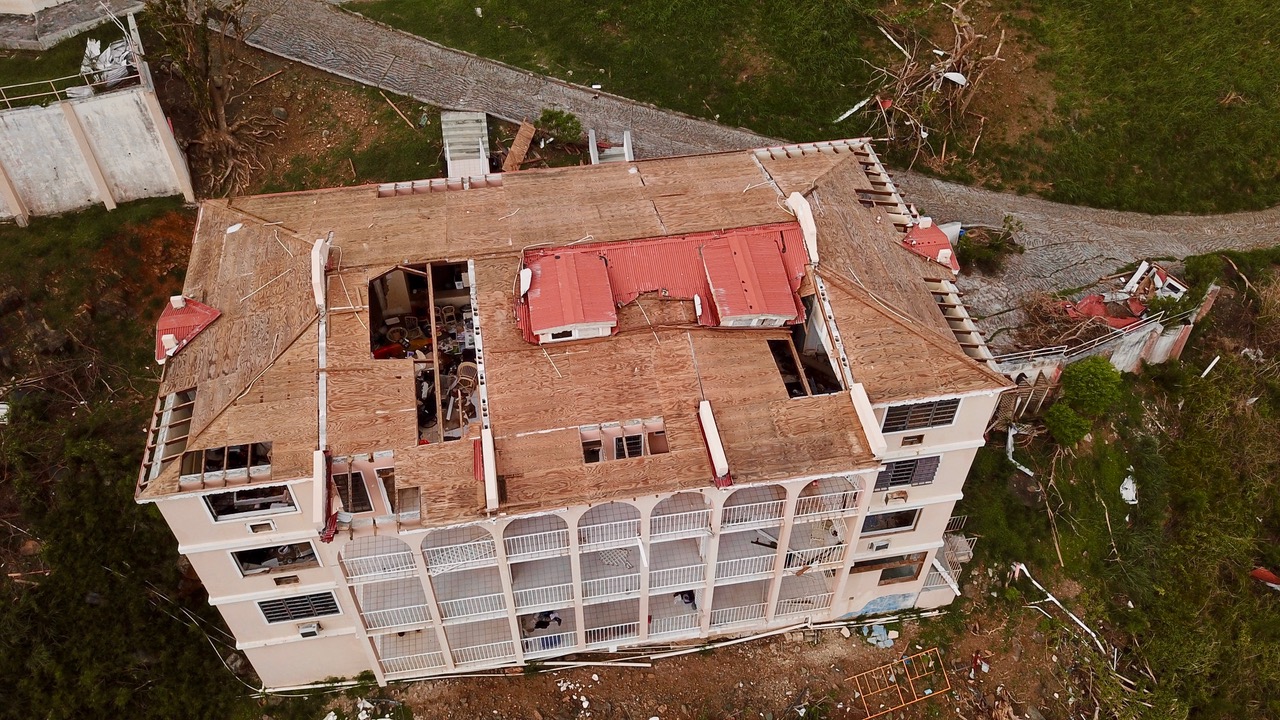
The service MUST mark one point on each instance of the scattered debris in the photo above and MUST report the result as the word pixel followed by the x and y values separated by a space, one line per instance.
pixel 879 636
pixel 1129 489
pixel 1266 577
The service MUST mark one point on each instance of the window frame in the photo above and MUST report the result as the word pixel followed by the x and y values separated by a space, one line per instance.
pixel 350 475
pixel 314 562
pixel 915 523
pixel 333 597
pixel 911 481
pixel 907 426
pixel 240 517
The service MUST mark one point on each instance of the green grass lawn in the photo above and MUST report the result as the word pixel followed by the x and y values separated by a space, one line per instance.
pixel 1140 122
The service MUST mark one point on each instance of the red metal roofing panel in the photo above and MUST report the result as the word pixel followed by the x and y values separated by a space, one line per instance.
pixel 672 266
pixel 928 242
pixel 569 288
pixel 747 276
pixel 183 324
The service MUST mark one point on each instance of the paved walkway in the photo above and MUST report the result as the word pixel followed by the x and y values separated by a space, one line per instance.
pixel 1066 246
pixel 46 28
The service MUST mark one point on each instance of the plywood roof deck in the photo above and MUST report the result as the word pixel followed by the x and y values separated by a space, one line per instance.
pixel 659 364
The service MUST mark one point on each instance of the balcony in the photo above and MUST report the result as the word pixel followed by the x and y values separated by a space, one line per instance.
pixel 678 578
pixel 611 588
pixel 375 568
pixel 488 653
pixel 754 515
pixel 533 546
pixel 828 505
pixel 463 556
pixel 612 634
pixel 548 645
pixel 748 567
pixel 599 536
pixel 473 608
pixel 737 615
pixel 804 605
pixel 675 625
pixel 674 526
pixel 396 617
pixel 823 557
pixel 412 663
pixel 544 598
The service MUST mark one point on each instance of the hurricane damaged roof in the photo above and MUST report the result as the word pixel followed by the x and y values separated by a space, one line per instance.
pixel 589 234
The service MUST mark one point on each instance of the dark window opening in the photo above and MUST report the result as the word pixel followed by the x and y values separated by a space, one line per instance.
pixel 785 358
pixel 890 522
pixel 909 440
pixel 920 415
pixel 896 569
pixel 562 335
pixel 817 365
pixel 272 559
pixel 916 471
pixel 300 607
pixel 249 501
pixel 628 446
pixel 592 451
pixel 353 493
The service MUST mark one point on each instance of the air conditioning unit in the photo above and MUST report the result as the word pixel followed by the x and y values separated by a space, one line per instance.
pixel 877 545
pixel 309 630
pixel 898 497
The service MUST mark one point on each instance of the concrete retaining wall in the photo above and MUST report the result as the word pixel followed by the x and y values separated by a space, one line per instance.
pixel 71 154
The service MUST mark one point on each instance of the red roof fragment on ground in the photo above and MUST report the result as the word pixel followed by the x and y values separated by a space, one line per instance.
pixel 929 242
pixel 1118 315
pixel 746 271
pixel 183 324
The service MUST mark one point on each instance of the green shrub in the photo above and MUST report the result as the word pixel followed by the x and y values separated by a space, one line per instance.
pixel 1091 386
pixel 563 126
pixel 1065 425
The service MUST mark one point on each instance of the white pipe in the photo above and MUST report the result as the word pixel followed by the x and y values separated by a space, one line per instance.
pixel 1019 568
pixel 726 643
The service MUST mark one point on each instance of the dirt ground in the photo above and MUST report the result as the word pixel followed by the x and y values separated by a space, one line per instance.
pixel 1032 671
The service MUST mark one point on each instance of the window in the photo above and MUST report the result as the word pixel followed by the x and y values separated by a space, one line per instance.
pixel 562 335
pixel 250 501
pixel 916 471
pixel 896 569
pixel 256 561
pixel 889 522
pixel 920 415
pixel 169 430
pixel 624 440
pixel 353 492
pixel 300 607
pixel 408 501
pixel 226 463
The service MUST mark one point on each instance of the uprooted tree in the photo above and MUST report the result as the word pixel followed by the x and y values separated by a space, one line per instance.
pixel 202 40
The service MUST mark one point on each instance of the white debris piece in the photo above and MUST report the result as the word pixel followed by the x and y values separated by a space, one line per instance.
pixel 1129 490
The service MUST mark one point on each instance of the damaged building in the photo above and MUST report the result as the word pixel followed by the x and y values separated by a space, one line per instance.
pixel 433 427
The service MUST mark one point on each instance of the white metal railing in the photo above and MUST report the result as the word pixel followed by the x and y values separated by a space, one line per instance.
pixel 472 606
pixel 956 523
pixel 412 663
pixel 535 545
pixel 678 525
pixel 675 577
pixel 803 605
pixel 396 617
pixel 934 580
pixel 844 502
pixel 502 650
pixel 549 595
pixel 733 615
pixel 741 567
pixel 29 93
pixel 816 557
pixel 617 585
pixel 544 645
pixel 673 625
pixel 379 567
pixel 612 633
pixel 761 513
pixel 610 534
pixel 474 554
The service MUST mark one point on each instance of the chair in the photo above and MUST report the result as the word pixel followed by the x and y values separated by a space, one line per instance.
pixel 448 314
pixel 468 377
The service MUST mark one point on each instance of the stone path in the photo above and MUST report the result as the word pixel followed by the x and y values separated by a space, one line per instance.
pixel 1067 246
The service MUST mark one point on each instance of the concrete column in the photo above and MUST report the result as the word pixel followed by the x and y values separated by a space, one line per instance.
pixel 437 620
pixel 647 559
pixel 853 531
pixel 86 151
pixel 575 571
pixel 713 552
pixel 784 542
pixel 508 593
pixel 9 194
pixel 181 175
